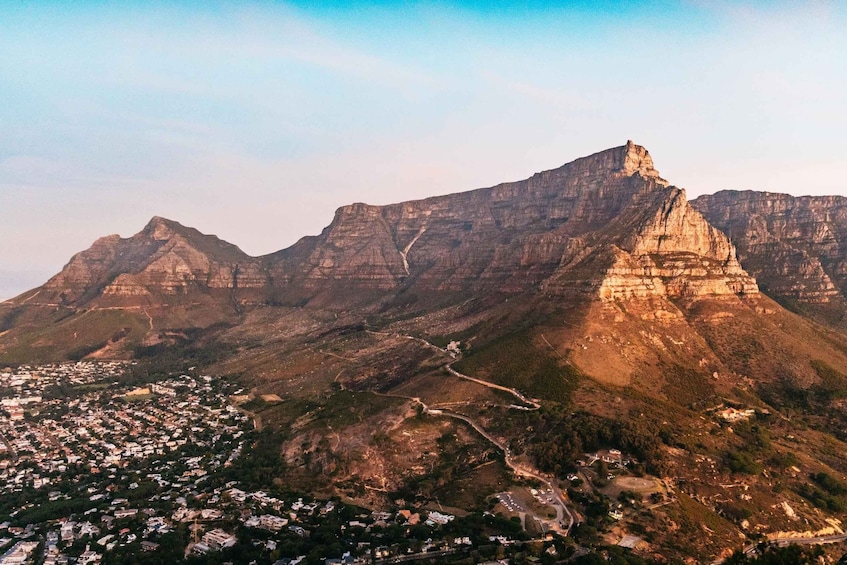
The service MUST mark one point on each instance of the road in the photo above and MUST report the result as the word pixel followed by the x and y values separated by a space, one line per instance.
pixel 532 403
pixel 560 525
pixel 417 556
pixel 558 503
pixel 784 542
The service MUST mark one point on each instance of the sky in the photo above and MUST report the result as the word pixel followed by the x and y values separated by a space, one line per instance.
pixel 255 121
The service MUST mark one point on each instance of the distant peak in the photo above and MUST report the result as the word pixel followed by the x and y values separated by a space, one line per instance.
pixel 162 228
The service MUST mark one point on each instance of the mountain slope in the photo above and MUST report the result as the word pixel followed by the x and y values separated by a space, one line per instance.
pixel 121 292
pixel 164 259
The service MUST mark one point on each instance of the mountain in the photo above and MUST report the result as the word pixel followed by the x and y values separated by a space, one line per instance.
pixel 796 247
pixel 121 292
pixel 164 260
pixel 377 352
pixel 606 224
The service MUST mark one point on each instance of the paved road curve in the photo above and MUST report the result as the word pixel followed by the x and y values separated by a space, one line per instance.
pixel 559 525
pixel 784 542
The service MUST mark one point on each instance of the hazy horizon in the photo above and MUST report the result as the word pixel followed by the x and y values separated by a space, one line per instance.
pixel 255 122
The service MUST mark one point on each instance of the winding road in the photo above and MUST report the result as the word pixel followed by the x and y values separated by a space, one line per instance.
pixel 532 403
pixel 560 524
pixel 750 549
pixel 559 504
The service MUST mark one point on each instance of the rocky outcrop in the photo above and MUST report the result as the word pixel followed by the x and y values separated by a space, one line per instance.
pixel 796 247
pixel 675 252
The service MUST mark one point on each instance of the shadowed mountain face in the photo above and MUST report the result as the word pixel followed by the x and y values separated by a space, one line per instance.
pixel 796 247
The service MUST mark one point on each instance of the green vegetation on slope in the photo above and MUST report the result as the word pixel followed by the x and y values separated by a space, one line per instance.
pixel 813 405
pixel 516 361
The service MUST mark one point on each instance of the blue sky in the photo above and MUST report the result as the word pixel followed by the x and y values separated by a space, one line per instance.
pixel 254 121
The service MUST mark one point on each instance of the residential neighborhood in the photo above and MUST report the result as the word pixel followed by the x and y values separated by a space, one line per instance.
pixel 93 470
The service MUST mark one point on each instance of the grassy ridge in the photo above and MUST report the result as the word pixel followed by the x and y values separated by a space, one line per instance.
pixel 75 336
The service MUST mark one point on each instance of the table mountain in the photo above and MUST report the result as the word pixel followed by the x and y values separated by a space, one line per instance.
pixel 606 224
pixel 595 288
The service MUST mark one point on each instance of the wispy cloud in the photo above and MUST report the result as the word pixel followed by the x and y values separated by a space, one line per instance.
pixel 263 38
pixel 559 98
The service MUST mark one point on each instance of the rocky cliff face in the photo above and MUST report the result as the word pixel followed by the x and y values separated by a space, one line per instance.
pixel 604 227
pixel 164 259
pixel 796 247
pixel 611 210
pixel 675 252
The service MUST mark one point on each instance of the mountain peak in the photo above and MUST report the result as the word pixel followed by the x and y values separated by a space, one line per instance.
pixel 162 228
pixel 626 160
pixel 636 159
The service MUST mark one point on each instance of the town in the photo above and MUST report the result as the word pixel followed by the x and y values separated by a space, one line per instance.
pixel 95 471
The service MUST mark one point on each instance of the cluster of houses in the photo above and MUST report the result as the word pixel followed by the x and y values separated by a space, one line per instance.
pixel 23 386
pixel 132 469
pixel 103 442
pixel 100 431
pixel 21 552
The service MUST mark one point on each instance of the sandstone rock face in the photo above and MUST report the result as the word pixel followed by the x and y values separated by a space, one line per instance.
pixel 796 247
pixel 675 252
pixel 607 224
pixel 165 258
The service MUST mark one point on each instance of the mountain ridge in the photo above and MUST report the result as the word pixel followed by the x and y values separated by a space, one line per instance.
pixel 606 226
pixel 795 245
pixel 595 288
pixel 603 225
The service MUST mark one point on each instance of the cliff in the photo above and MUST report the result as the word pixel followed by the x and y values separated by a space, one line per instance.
pixel 611 209
pixel 607 225
pixel 796 247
